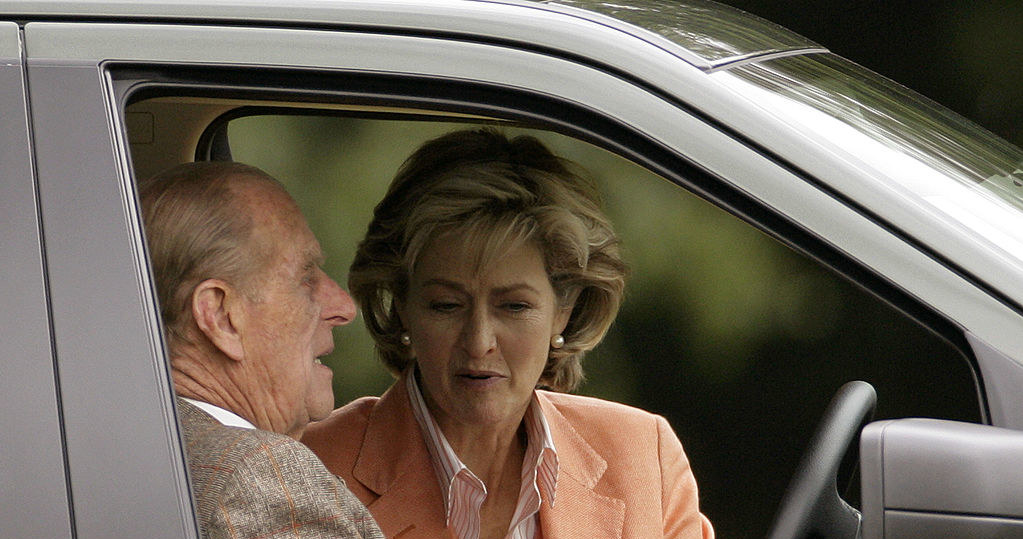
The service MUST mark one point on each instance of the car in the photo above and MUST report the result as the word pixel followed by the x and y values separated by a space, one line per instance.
pixel 794 222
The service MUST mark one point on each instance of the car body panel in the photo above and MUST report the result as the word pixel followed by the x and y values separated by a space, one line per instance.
pixel 103 308
pixel 715 35
pixel 1003 378
pixel 32 451
pixel 946 211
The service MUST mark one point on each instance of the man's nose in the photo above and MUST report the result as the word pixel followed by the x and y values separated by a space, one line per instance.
pixel 478 336
pixel 339 306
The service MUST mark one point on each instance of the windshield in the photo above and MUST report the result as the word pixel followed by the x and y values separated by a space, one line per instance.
pixel 930 154
pixel 715 32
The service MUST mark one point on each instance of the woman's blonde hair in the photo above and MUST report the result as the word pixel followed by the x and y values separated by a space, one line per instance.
pixel 495 194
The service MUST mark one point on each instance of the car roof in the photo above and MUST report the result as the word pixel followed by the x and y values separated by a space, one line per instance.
pixel 703 33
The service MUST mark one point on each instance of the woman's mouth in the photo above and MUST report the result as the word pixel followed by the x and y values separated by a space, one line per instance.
pixel 479 379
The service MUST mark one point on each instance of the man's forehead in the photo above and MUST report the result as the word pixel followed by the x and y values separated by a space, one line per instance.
pixel 261 195
pixel 277 220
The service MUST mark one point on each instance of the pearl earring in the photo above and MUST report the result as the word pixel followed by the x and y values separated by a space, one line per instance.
pixel 405 339
pixel 557 341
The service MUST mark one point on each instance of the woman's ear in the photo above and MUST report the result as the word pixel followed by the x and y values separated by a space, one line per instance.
pixel 212 304
pixel 561 319
pixel 399 309
pixel 564 313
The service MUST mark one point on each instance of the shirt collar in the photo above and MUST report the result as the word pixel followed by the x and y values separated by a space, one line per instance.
pixel 225 417
pixel 541 454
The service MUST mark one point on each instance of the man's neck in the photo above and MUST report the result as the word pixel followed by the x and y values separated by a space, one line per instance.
pixel 209 381
pixel 205 380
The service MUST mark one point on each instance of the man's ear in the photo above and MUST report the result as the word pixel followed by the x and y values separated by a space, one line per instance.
pixel 211 307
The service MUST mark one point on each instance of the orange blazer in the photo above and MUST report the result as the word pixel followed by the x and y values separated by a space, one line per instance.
pixel 622 471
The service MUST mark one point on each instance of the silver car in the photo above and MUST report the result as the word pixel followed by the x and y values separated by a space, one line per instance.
pixel 703 125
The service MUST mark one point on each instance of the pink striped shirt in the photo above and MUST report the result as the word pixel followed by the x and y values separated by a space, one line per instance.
pixel 464 493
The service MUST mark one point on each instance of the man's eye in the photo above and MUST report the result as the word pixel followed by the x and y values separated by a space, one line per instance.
pixel 516 306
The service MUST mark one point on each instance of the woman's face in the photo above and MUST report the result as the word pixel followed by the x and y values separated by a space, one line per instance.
pixel 481 339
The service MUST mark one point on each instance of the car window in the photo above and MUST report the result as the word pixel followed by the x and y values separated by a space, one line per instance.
pixel 734 337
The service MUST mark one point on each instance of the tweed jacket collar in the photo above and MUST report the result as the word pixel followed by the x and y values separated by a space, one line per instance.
pixel 395 464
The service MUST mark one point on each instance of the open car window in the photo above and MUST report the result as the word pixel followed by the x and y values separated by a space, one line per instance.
pixel 737 339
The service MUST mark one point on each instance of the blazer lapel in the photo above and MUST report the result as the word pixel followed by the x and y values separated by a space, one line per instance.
pixel 395 464
pixel 579 511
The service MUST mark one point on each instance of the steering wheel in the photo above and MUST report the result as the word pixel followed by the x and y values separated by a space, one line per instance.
pixel 811 506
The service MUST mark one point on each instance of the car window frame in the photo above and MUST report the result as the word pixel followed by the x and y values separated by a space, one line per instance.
pixel 118 421
pixel 33 444
pixel 413 54
pixel 548 112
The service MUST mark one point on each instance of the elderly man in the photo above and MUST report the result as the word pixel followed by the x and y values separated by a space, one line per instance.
pixel 248 312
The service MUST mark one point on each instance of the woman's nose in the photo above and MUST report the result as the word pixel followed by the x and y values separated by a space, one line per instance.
pixel 478 337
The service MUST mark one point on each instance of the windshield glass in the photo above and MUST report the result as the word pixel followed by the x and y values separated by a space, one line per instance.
pixel 715 32
pixel 931 154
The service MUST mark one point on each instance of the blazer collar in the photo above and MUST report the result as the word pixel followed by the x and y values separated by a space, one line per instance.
pixel 395 464
pixel 580 509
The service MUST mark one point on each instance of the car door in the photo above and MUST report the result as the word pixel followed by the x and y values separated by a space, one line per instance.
pixel 32 459
pixel 124 468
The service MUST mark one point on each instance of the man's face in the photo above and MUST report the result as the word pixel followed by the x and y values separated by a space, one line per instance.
pixel 288 317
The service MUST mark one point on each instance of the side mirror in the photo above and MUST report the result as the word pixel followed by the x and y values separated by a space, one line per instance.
pixel 935 478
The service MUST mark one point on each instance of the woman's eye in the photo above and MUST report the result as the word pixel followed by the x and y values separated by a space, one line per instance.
pixel 516 306
pixel 443 306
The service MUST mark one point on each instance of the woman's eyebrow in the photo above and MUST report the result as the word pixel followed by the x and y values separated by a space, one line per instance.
pixel 515 287
pixel 447 283
pixel 440 281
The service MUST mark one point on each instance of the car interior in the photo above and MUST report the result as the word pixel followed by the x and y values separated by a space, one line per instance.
pixel 737 326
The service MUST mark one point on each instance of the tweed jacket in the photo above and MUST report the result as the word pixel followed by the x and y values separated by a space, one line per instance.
pixel 252 483
pixel 622 471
